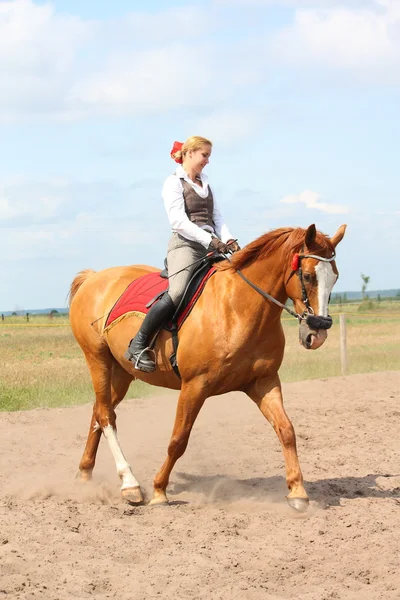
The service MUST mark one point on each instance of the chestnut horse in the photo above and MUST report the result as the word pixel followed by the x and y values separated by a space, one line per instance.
pixel 232 340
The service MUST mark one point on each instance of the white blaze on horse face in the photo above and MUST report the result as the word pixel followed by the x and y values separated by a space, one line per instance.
pixel 123 468
pixel 326 279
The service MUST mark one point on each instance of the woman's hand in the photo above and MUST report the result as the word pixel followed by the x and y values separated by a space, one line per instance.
pixel 218 246
pixel 233 246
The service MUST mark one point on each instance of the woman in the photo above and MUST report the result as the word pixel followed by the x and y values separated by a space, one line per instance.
pixel 197 228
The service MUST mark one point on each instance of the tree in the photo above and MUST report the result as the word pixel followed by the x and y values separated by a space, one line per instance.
pixel 365 279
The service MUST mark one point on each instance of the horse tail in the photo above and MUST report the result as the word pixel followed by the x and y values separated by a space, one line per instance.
pixel 77 282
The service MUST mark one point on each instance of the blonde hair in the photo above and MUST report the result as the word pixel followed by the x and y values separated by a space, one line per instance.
pixel 195 142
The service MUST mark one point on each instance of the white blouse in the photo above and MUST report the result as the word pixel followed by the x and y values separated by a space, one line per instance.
pixel 172 194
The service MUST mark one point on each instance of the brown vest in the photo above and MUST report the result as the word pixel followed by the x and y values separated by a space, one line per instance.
pixel 199 210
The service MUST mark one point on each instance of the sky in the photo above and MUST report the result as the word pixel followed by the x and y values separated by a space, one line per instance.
pixel 299 97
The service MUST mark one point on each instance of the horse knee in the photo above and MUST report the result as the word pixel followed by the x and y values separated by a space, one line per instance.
pixel 106 417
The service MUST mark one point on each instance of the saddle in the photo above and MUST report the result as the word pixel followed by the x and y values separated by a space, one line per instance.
pixel 143 292
pixel 193 290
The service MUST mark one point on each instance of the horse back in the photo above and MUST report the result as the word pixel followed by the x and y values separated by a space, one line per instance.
pixel 94 293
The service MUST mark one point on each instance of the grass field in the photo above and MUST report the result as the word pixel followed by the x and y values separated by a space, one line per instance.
pixel 43 366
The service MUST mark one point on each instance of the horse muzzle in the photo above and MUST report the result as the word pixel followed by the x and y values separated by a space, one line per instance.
pixel 313 331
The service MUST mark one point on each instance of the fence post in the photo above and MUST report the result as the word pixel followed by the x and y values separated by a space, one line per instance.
pixel 343 343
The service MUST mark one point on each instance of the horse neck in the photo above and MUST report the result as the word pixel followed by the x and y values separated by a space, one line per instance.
pixel 268 275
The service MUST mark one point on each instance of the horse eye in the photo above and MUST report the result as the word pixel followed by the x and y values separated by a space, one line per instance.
pixel 307 277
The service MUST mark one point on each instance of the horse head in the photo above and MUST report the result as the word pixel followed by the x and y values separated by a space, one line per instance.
pixel 310 278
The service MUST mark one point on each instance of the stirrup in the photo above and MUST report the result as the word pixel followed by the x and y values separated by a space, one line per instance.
pixel 145 370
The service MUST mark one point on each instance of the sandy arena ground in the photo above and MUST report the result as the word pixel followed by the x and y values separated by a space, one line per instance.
pixel 228 532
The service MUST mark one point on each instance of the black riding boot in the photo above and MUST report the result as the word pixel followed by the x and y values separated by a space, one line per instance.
pixel 155 318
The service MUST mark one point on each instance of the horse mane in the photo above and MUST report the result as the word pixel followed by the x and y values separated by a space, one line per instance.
pixel 77 282
pixel 290 238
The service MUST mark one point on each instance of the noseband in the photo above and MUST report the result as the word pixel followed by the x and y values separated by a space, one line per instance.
pixel 313 321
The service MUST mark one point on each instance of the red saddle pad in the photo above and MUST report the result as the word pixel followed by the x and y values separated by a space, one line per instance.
pixel 141 291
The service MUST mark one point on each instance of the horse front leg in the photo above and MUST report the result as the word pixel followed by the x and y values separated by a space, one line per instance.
pixel 266 392
pixel 191 399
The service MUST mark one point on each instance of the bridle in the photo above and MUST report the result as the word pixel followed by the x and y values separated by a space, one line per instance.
pixel 313 321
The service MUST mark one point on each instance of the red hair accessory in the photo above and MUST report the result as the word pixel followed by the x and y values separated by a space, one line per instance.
pixel 175 148
pixel 295 262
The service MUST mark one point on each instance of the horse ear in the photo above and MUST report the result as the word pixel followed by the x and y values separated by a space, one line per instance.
pixel 338 235
pixel 310 235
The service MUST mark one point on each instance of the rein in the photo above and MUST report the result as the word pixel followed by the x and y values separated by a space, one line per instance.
pixel 313 321
pixel 265 295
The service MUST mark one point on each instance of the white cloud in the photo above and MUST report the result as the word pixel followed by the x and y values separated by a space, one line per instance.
pixel 57 66
pixel 7 211
pixel 145 81
pixel 61 67
pixel 37 209
pixel 312 200
pixel 365 42
pixel 33 38
pixel 38 52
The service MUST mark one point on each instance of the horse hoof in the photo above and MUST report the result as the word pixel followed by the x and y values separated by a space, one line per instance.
pixel 299 504
pixel 84 475
pixel 159 498
pixel 133 495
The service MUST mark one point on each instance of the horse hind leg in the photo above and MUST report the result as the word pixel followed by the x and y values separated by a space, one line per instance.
pixel 120 381
pixel 111 383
